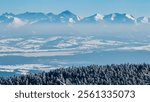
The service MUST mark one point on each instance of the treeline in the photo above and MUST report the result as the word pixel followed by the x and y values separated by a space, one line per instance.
pixel 123 74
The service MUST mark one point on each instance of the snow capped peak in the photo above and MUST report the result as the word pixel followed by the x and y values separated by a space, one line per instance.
pixel 68 14
pixel 18 22
pixel 69 17
pixel 143 20
pixel 119 18
pixel 98 17
pixel 130 17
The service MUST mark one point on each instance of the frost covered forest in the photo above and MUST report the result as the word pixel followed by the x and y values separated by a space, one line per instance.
pixel 123 74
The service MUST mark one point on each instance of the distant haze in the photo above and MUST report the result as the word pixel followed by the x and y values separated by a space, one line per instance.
pixel 67 22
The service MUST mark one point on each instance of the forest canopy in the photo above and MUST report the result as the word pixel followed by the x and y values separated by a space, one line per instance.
pixel 123 74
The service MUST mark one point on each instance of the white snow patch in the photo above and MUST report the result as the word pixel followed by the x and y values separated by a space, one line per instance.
pixel 71 20
pixel 145 20
pixel 136 48
pixel 9 40
pixel 18 22
pixel 78 18
pixel 113 17
pixel 130 17
pixel 98 17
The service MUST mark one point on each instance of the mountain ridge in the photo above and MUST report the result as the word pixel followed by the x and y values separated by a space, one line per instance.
pixel 67 16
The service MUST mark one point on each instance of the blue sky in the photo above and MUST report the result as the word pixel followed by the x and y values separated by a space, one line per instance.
pixel 81 7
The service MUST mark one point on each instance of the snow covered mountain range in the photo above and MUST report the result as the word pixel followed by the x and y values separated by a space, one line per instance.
pixel 68 17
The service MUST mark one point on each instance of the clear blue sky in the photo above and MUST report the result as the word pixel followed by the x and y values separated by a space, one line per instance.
pixel 80 7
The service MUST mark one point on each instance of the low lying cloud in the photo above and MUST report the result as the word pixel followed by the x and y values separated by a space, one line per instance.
pixel 53 29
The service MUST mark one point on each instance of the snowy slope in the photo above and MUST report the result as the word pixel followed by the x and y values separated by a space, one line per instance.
pixel 119 18
pixel 68 17
pixel 143 20
pixel 96 18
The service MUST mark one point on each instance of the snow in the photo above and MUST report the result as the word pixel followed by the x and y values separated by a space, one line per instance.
pixel 78 18
pixel 145 20
pixel 18 22
pixel 113 17
pixel 66 17
pixel 71 20
pixel 9 17
pixel 98 17
pixel 130 17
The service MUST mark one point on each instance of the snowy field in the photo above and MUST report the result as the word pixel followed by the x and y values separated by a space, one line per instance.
pixel 31 54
